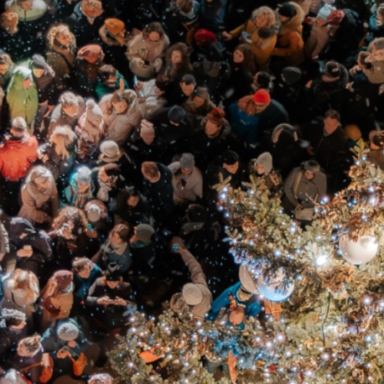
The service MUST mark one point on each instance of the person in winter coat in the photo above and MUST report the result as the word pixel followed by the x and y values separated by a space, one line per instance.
pixel 56 298
pixel 355 141
pixel 115 250
pixel 345 31
pixel 58 155
pixel 121 115
pixel 67 112
pixel 319 36
pixel 67 345
pixel 31 247
pixel 187 180
pixel 39 197
pixel 43 77
pixel 7 67
pixel 109 80
pixel 86 20
pixel 12 329
pixel 17 154
pixel 89 60
pixel 22 95
pixel 373 62
pixel 290 44
pixel 288 90
pixel 328 90
pixel 132 208
pixel 199 103
pixel 329 146
pixel 157 186
pixel 262 168
pixel 29 358
pixel 80 189
pixel 99 223
pixel 108 300
pixel 61 47
pixel 212 138
pixel 243 293
pixel 376 145
pixel 305 186
pixel 108 184
pixel 145 51
pixel 375 25
pixel 260 31
pixel 71 237
pixel 195 294
pixel 286 147
pixel 226 167
pixel 89 131
pixel 114 43
pixel 85 273
pixel 253 115
pixel 20 291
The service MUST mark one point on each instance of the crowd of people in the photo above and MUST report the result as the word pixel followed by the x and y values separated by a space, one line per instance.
pixel 120 119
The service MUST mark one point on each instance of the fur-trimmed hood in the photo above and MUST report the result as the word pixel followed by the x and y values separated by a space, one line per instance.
pixel 295 23
pixel 103 33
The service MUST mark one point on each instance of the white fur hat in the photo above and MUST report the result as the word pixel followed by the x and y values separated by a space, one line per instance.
pixel 192 294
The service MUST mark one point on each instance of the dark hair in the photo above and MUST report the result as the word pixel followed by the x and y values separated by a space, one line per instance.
pixel 263 79
pixel 332 114
pixel 79 263
pixel 153 27
pixel 188 79
pixel 230 157
pixel 106 71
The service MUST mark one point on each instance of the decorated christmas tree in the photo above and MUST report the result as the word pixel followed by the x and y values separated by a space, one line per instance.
pixel 322 288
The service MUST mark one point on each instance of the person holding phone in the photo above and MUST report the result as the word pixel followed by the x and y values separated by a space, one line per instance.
pixel 195 294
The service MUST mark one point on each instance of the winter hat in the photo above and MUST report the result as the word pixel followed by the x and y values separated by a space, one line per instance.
pixel 246 280
pixel 265 159
pixel 94 114
pixel 11 314
pixel 311 166
pixel 353 132
pixel 332 70
pixel 216 116
pixel 204 38
pixel 19 123
pixel 40 175
pixel 187 160
pixel 84 175
pixel 38 61
pixel 90 53
pixel 230 157
pixel 67 331
pixel 188 79
pixel 144 232
pixel 196 213
pixel 287 10
pixel 335 17
pixel 192 294
pixel 100 378
pixel 64 278
pixel 93 212
pixel 113 272
pixel 114 26
pixel 262 97
pixel 110 151
pixel 325 11
pixel 176 114
pixel 291 75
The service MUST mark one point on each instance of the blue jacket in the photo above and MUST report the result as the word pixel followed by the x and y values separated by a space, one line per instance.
pixel 252 307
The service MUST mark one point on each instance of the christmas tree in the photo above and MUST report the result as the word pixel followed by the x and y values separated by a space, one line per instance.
pixel 322 288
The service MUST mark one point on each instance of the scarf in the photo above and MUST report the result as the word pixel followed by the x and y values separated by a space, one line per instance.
pixel 81 197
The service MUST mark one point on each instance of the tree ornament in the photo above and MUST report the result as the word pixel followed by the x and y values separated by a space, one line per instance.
pixel 358 252
pixel 274 288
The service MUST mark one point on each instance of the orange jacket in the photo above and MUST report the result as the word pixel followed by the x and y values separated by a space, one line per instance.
pixel 17 156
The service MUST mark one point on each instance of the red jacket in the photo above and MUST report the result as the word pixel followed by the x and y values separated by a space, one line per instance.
pixel 17 156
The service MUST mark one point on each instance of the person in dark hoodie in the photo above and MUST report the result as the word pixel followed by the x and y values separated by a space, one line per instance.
pixel 157 186
pixel 328 90
pixel 86 20
pixel 287 90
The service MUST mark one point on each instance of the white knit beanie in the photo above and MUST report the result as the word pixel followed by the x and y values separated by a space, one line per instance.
pixel 192 294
